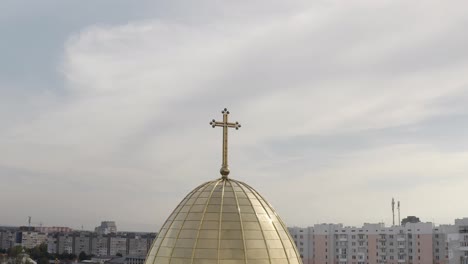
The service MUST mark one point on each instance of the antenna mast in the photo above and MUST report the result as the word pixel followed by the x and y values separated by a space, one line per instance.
pixel 393 210
pixel 399 221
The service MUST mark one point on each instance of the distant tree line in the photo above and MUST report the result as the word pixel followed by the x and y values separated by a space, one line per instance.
pixel 41 256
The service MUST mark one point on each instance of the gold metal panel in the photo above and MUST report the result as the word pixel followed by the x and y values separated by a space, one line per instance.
pixel 185 208
pixel 205 261
pixel 161 260
pixel 231 253
pixel 279 261
pixel 251 226
pixel 177 224
pixel 290 252
pixel 180 260
pixel 213 208
pixel 249 217
pixel 231 217
pixel 253 235
pixel 182 253
pixel 287 243
pixel 247 209
pixel 208 234
pixel 231 234
pixel 211 217
pixel 255 244
pixel 259 253
pixel 203 253
pixel 254 202
pixel 283 235
pixel 267 226
pixel 172 233
pixel 204 195
pixel 201 201
pixel 271 235
pixel 207 243
pixel 168 242
pixel 216 195
pixel 188 234
pixel 274 243
pixel 210 225
pixel 231 261
pixel 264 217
pixel 191 200
pixel 230 226
pixel 278 225
pixel 194 216
pixel 229 201
pixel 259 209
pixel 164 251
pixel 243 201
pixel 230 208
pixel 259 261
pixel 240 194
pixel 197 208
pixel 277 253
pixel 294 261
pixel 231 244
pixel 191 225
pixel 181 216
pixel 185 242
pixel 228 194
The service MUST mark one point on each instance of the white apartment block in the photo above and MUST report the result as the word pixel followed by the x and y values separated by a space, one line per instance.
pixel 117 245
pixel 99 246
pixel 30 239
pixel 65 243
pixel 137 246
pixel 82 243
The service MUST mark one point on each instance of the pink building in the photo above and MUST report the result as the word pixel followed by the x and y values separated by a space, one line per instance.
pixel 53 229
pixel 369 244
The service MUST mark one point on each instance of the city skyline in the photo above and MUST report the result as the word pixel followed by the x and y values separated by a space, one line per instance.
pixel 105 111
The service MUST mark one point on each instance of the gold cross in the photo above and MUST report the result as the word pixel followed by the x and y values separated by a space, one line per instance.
pixel 225 124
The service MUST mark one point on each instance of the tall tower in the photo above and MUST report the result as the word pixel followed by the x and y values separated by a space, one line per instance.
pixel 399 220
pixel 393 210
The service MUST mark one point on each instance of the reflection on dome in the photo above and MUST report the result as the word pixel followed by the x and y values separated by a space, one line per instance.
pixel 223 221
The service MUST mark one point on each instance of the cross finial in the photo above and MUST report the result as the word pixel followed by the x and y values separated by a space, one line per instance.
pixel 225 124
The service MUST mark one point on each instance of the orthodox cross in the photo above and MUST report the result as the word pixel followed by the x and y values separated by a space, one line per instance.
pixel 225 125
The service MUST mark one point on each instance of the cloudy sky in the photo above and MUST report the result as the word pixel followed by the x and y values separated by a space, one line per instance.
pixel 105 105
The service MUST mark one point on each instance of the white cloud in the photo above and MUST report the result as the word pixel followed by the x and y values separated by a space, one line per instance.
pixel 133 118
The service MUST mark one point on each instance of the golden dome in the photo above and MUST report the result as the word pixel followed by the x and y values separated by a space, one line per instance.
pixel 223 222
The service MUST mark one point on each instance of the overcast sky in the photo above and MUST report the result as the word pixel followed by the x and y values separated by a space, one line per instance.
pixel 105 105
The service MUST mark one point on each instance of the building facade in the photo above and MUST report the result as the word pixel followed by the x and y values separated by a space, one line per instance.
pixel 414 243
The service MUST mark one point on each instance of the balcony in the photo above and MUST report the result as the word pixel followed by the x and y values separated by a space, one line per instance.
pixel 343 239
pixel 401 239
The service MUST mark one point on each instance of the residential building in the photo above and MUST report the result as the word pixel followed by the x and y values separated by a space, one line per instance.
pixel 117 245
pixel 82 243
pixel 106 227
pixel 64 243
pixel 30 239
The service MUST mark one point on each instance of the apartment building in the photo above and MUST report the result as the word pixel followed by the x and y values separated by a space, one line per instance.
pixel 117 245
pixel 369 244
pixel 82 243
pixel 29 239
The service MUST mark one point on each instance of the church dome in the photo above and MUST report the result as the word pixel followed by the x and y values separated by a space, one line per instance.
pixel 223 222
